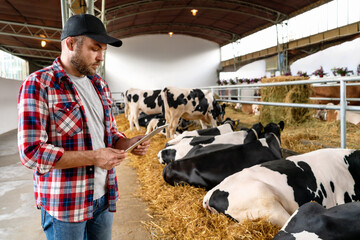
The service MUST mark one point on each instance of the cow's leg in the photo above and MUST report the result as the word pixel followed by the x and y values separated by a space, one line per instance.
pixel 172 126
pixel 126 111
pixel 203 125
pixel 152 125
pixel 131 122
pixel 213 123
pixel 167 119
pixel 136 119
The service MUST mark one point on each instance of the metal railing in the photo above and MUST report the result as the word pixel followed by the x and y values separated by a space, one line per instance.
pixel 324 82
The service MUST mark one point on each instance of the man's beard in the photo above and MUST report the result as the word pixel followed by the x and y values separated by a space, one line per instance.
pixel 80 64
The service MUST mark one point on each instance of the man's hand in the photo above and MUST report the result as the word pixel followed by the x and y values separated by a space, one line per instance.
pixel 142 148
pixel 108 158
pixel 124 143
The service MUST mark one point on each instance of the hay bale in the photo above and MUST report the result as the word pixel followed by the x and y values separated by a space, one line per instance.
pixel 286 94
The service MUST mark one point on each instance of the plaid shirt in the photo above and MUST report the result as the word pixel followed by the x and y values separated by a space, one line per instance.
pixel 52 120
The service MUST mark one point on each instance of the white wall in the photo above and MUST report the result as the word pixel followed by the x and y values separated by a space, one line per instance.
pixel 156 61
pixel 9 92
pixel 343 55
pixel 252 70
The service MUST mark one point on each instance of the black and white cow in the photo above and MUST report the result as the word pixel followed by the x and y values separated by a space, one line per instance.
pixel 190 104
pixel 137 100
pixel 181 149
pixel 144 119
pixel 276 189
pixel 208 166
pixel 222 129
pixel 234 123
pixel 155 123
pixel 159 121
pixel 313 221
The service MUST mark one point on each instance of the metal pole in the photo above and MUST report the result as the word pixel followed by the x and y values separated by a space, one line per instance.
pixel 90 7
pixel 64 12
pixel 343 113
pixel 278 49
pixel 234 57
pixel 103 11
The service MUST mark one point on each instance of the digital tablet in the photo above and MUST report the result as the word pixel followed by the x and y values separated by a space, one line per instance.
pixel 146 137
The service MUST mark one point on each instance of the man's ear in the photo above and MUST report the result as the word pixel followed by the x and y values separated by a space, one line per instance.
pixel 70 43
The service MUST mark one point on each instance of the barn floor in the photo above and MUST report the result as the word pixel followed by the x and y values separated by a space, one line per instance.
pixel 20 219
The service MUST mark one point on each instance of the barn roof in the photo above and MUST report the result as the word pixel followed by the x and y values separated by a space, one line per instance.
pixel 24 23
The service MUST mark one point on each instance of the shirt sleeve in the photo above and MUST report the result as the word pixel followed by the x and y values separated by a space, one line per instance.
pixel 33 118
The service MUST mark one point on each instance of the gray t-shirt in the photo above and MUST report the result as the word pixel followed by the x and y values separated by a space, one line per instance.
pixel 94 112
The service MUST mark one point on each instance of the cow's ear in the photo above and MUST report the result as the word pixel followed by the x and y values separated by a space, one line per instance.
pixel 282 125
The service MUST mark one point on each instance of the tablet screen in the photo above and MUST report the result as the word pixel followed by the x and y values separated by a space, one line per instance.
pixel 146 137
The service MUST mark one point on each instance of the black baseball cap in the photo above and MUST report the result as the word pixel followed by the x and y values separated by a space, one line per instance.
pixel 90 26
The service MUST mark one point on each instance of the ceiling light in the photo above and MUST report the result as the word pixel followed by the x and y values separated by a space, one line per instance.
pixel 170 34
pixel 43 43
pixel 194 12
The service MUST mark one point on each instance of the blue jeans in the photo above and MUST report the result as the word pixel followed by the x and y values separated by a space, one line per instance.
pixel 97 228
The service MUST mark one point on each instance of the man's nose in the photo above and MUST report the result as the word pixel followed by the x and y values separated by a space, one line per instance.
pixel 100 56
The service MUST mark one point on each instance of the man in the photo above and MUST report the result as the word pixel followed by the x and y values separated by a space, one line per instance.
pixel 67 135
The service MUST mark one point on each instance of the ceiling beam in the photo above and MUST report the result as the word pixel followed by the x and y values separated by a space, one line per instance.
pixel 29 31
pixel 232 35
pixel 186 32
pixel 32 49
pixel 274 21
pixel 263 10
pixel 30 52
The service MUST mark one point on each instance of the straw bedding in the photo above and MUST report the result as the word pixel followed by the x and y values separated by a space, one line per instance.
pixel 177 212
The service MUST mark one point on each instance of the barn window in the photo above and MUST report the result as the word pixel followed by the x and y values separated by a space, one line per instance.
pixel 13 67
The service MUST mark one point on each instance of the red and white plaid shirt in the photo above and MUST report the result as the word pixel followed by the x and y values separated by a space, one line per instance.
pixel 52 120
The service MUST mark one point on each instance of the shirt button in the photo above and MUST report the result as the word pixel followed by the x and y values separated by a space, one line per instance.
pixel 67 109
pixel 90 169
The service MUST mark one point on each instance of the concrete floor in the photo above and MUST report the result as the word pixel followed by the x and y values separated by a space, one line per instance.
pixel 20 219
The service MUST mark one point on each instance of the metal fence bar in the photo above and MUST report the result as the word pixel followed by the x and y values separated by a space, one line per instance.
pixel 334 81
pixel 343 113
pixel 300 105
pixel 335 99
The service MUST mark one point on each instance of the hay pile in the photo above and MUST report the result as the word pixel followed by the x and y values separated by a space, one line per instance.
pixel 177 212
pixel 287 94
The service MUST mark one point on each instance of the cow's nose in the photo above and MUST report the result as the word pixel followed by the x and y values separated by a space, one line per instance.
pixel 168 155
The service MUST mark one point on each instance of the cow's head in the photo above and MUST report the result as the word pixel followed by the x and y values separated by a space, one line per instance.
pixel 259 129
pixel 166 156
pixel 274 128
pixel 232 123
pixel 218 111
pixel 256 132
